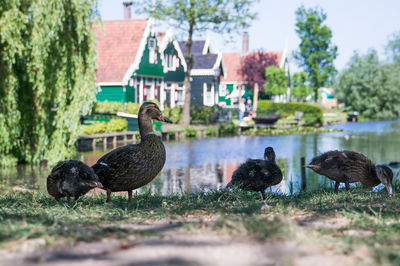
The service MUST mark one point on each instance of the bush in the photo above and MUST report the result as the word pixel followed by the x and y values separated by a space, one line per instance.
pixel 190 132
pixel 115 125
pixel 175 114
pixel 227 129
pixel 312 113
pixel 211 131
pixel 115 107
pixel 204 114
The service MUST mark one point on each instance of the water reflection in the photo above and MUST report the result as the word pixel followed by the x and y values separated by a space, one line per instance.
pixel 207 164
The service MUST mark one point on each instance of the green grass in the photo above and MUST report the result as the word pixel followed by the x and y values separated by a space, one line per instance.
pixel 288 131
pixel 370 220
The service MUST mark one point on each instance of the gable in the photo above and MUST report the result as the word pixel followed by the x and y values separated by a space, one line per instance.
pixel 118 43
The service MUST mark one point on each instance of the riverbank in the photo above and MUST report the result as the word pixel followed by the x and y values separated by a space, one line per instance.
pixel 231 227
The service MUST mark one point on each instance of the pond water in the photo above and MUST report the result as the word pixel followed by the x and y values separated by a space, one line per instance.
pixel 207 164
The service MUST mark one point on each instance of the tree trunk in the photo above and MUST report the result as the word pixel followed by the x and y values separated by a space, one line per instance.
pixel 187 83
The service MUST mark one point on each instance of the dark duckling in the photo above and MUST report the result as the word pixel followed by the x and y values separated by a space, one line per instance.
pixel 350 166
pixel 135 165
pixel 257 175
pixel 71 178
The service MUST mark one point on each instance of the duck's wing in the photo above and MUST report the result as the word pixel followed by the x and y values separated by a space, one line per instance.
pixel 117 161
pixel 357 167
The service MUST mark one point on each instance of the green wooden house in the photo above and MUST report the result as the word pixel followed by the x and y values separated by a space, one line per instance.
pixel 130 65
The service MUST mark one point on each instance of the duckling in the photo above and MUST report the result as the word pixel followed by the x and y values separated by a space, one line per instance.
pixel 71 178
pixel 135 165
pixel 350 166
pixel 257 175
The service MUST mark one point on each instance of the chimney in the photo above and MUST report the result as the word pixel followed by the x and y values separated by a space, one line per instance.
pixel 245 43
pixel 127 10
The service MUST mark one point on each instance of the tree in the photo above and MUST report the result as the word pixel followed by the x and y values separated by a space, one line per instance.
pixel 47 77
pixel 370 87
pixel 252 67
pixel 393 48
pixel 299 88
pixel 276 81
pixel 317 53
pixel 197 16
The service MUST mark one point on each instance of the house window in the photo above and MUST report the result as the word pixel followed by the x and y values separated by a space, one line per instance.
pixel 222 91
pixel 151 44
pixel 208 94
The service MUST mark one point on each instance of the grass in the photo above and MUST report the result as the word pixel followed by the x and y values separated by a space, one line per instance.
pixel 345 221
pixel 288 131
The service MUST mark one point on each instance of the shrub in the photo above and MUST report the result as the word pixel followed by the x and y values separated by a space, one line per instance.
pixel 227 129
pixel 190 132
pixel 132 108
pixel 175 114
pixel 211 131
pixel 312 113
pixel 115 125
pixel 109 107
pixel 204 114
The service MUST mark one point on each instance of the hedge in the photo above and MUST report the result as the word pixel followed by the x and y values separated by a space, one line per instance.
pixel 115 125
pixel 311 113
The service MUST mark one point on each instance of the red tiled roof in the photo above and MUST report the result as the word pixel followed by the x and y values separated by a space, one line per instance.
pixel 232 65
pixel 117 45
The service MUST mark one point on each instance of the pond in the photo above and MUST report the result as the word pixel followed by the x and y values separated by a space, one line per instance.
pixel 206 164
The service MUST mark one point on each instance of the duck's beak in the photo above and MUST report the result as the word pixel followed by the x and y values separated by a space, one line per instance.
pixel 312 166
pixel 94 184
pixel 389 188
pixel 166 119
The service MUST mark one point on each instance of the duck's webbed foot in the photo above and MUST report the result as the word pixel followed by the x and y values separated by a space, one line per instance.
pixel 337 183
pixel 129 196
pixel 108 195
pixel 262 194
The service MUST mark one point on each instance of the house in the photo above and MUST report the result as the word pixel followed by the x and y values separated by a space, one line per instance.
pixel 207 70
pixel 130 67
pixel 173 91
pixel 233 86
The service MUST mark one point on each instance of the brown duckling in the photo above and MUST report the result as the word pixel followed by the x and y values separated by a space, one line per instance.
pixel 257 175
pixel 71 178
pixel 350 166
pixel 135 165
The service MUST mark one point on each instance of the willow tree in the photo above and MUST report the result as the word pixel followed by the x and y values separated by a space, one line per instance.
pixel 47 77
pixel 198 16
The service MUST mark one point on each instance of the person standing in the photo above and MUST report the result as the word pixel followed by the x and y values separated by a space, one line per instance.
pixel 242 109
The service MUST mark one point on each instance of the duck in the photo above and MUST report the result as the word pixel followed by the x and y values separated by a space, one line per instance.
pixel 71 178
pixel 257 175
pixel 132 166
pixel 350 166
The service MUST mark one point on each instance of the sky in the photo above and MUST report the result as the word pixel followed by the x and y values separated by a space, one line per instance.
pixel 357 25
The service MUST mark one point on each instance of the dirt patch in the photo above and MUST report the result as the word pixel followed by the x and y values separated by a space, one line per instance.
pixel 170 245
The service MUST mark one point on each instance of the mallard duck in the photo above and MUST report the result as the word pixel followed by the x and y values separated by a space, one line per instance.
pixel 350 166
pixel 257 175
pixel 71 178
pixel 135 165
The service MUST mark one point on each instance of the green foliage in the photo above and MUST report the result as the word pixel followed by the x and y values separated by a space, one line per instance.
pixel 190 132
pixel 312 113
pixel 115 125
pixel 175 114
pixel 300 90
pixel 115 107
pixel 204 114
pixel 370 87
pixel 277 82
pixel 317 53
pixel 227 129
pixel 393 48
pixel 211 131
pixel 47 77
pixel 193 17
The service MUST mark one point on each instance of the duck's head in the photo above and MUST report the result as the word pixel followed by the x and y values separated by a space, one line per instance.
pixel 316 164
pixel 385 175
pixel 151 110
pixel 269 154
